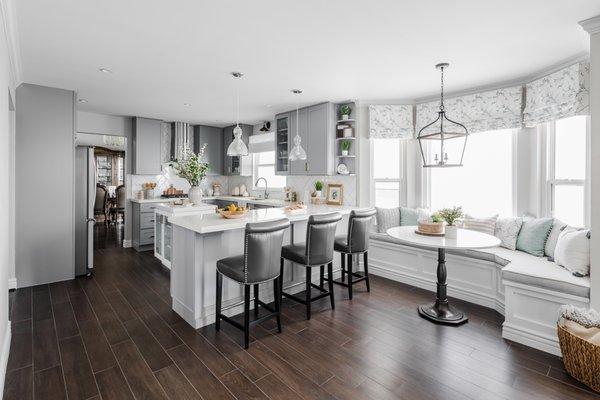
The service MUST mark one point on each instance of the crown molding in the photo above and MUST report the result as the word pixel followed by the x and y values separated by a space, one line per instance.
pixel 9 25
pixel 591 25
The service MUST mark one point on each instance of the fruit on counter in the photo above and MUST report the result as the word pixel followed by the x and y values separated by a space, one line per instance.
pixel 232 208
pixel 148 185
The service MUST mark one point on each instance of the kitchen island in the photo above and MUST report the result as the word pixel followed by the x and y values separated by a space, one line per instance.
pixel 200 240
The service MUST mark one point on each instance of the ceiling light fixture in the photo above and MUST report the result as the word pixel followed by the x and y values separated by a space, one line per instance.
pixel 441 130
pixel 297 152
pixel 237 146
pixel 266 126
pixel 82 101
pixel 187 104
pixel 106 70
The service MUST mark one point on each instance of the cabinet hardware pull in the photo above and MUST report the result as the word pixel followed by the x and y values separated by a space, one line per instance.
pixel 151 220
pixel 151 237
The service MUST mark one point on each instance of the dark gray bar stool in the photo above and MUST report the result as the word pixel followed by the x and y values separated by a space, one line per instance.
pixel 355 242
pixel 316 251
pixel 259 264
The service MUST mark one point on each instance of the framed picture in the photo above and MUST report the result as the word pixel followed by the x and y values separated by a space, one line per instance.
pixel 335 194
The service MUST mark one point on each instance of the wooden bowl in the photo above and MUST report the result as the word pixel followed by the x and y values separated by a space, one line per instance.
pixel 431 228
pixel 233 214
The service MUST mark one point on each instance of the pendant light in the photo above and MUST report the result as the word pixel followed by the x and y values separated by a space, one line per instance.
pixel 441 130
pixel 237 147
pixel 297 152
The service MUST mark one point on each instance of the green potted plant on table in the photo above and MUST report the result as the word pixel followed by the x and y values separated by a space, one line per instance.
pixel 318 188
pixel 345 145
pixel 345 111
pixel 451 215
pixel 193 169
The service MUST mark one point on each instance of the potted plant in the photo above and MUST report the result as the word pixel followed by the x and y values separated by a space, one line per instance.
pixel 345 111
pixel 434 225
pixel 193 169
pixel 345 145
pixel 451 215
pixel 318 188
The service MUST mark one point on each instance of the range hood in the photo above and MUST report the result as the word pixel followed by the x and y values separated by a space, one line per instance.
pixel 181 138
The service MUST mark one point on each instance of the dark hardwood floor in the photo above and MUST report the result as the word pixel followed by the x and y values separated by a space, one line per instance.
pixel 114 336
pixel 108 235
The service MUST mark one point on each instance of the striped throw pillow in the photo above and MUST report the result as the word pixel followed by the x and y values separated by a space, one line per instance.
pixel 484 225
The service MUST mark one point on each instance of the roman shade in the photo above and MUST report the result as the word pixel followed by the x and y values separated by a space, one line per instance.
pixel 564 93
pixel 479 112
pixel 262 142
pixel 391 121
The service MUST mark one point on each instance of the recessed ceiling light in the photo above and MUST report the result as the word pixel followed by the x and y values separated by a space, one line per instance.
pixel 82 100
pixel 187 104
pixel 106 70
pixel 268 106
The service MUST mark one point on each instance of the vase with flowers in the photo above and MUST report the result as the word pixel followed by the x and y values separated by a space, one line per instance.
pixel 451 216
pixel 192 168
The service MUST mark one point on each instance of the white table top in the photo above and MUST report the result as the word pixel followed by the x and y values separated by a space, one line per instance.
pixel 465 239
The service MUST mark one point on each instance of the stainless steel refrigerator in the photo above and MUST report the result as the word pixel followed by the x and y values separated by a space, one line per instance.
pixel 85 196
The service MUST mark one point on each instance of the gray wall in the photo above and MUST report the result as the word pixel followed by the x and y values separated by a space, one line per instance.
pixel 88 122
pixel 44 159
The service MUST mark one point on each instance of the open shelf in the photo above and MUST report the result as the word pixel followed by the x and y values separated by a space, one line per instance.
pixel 345 120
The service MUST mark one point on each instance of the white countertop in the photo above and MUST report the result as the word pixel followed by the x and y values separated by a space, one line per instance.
pixel 465 239
pixel 170 210
pixel 209 223
pixel 240 199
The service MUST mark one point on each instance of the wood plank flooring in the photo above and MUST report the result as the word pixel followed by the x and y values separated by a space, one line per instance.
pixel 114 336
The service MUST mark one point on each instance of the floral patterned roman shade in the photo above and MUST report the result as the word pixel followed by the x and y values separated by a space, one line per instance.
pixel 391 121
pixel 479 112
pixel 564 93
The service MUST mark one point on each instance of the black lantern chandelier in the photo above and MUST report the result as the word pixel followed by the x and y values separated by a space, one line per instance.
pixel 439 132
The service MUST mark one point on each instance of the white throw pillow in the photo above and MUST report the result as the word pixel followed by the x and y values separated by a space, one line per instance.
pixel 484 225
pixel 573 251
pixel 507 230
pixel 557 228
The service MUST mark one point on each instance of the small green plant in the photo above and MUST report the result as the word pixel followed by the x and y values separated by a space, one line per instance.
pixel 450 215
pixel 345 144
pixel 345 109
pixel 436 217
pixel 319 185
pixel 192 167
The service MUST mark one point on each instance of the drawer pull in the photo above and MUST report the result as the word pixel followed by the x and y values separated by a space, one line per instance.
pixel 151 220
pixel 151 237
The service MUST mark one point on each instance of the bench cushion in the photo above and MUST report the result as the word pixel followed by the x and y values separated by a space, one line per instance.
pixel 538 271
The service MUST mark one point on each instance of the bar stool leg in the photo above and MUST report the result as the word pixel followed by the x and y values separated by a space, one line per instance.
pixel 277 301
pixel 246 316
pixel 218 303
pixel 322 277
pixel 366 262
pixel 308 290
pixel 343 257
pixel 281 278
pixel 256 300
pixel 350 276
pixel 330 281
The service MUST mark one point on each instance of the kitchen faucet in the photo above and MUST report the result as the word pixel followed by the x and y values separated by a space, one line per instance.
pixel 266 186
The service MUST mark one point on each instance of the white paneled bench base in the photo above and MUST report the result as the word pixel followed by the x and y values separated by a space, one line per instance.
pixel 527 290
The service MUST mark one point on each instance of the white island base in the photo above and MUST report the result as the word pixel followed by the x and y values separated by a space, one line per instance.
pixel 199 241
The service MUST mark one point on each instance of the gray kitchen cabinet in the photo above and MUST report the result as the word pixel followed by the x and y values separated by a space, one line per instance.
pixel 236 165
pixel 282 144
pixel 143 223
pixel 316 126
pixel 213 138
pixel 146 143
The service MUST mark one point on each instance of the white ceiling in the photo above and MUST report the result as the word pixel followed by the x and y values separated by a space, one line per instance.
pixel 167 53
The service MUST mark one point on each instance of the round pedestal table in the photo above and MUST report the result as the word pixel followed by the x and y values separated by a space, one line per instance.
pixel 440 311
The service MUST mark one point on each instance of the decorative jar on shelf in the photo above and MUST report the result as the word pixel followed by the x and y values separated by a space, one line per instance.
pixel 344 152
pixel 195 194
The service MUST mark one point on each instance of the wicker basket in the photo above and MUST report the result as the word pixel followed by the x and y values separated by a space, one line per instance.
pixel 431 228
pixel 581 358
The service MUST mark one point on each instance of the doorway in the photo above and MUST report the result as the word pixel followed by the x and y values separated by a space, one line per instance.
pixel 109 207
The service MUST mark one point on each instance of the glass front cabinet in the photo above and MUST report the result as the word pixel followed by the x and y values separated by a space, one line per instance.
pixel 282 145
pixel 163 238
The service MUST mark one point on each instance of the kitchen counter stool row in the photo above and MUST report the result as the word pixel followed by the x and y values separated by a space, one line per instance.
pixel 263 262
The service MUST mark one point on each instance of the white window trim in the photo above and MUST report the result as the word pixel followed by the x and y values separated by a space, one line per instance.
pixel 255 176
pixel 402 186
pixel 550 181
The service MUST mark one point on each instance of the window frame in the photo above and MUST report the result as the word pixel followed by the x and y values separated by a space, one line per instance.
pixel 401 180
pixel 256 164
pixel 552 182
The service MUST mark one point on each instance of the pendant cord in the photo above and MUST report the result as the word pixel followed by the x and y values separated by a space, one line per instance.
pixel 442 90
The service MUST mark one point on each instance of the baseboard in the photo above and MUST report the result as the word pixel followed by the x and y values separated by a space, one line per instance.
pixel 127 243
pixel 530 339
pixel 426 284
pixel 12 283
pixel 4 356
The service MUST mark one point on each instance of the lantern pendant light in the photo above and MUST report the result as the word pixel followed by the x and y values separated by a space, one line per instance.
pixel 441 130
pixel 237 147
pixel 297 152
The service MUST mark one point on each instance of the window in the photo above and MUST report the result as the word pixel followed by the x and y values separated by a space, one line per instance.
pixel 264 167
pixel 483 185
pixel 567 163
pixel 387 172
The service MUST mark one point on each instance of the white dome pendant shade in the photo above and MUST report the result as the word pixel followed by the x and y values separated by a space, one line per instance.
pixel 237 147
pixel 297 152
